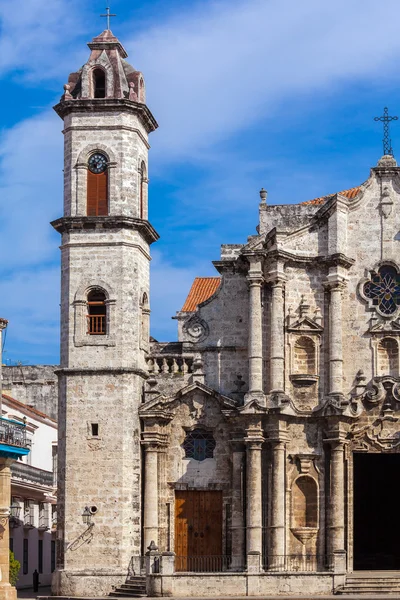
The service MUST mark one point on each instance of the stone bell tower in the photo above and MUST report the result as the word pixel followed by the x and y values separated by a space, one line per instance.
pixel 104 318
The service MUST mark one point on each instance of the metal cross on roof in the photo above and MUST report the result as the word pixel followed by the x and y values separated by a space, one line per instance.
pixel 387 142
pixel 108 15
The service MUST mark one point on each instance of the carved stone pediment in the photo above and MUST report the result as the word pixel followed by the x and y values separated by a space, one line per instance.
pixel 163 408
pixel 252 407
pixel 305 325
pixel 384 326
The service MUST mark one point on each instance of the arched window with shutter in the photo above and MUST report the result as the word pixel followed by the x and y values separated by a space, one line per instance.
pixel 97 312
pixel 97 186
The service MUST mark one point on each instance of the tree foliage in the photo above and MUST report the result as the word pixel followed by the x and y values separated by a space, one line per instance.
pixel 15 566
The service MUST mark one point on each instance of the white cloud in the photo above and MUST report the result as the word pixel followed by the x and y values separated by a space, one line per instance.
pixel 30 301
pixel 31 187
pixel 214 72
pixel 34 36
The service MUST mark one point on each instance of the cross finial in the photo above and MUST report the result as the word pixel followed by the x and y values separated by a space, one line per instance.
pixel 387 142
pixel 108 15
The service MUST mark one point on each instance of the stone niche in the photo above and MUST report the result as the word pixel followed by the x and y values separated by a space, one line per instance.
pixel 304 505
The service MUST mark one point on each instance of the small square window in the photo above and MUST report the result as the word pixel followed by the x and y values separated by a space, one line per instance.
pixel 95 429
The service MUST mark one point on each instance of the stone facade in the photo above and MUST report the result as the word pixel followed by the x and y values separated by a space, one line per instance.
pixel 278 382
pixel 34 385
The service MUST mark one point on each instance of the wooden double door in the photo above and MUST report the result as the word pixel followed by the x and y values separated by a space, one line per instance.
pixel 198 531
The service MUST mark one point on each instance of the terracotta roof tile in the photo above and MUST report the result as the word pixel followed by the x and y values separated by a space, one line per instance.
pixel 202 289
pixel 351 193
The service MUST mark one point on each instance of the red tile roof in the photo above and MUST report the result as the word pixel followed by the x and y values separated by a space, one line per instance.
pixel 202 289
pixel 351 193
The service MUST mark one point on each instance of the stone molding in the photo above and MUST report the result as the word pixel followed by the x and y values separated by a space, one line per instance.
pixel 81 223
pixel 94 105
pixel 101 371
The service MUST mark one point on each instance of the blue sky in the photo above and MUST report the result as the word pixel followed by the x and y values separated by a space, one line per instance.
pixel 247 93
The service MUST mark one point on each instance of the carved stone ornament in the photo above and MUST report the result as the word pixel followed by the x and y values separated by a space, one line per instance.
pixel 382 434
pixel 196 328
pixel 386 201
pixel 3 525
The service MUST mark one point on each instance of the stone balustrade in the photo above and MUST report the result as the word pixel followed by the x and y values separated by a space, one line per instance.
pixel 170 364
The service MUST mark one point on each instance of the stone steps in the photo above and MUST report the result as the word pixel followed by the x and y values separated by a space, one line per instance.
pixel 371 585
pixel 134 587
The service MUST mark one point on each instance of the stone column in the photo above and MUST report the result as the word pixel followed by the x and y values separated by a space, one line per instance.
pixel 277 520
pixel 238 530
pixel 6 591
pixel 336 498
pixel 254 499
pixel 277 340
pixel 335 339
pixel 255 279
pixel 150 507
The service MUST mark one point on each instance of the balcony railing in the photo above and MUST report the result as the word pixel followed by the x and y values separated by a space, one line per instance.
pixel 209 564
pixel 293 563
pixel 96 324
pixel 12 433
pixel 32 474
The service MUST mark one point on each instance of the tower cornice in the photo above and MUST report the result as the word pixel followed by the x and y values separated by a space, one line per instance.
pixel 67 224
pixel 90 105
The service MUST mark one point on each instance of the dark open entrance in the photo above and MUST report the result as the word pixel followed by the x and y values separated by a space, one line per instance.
pixel 376 525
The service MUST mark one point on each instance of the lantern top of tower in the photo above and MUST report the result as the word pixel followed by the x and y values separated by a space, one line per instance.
pixel 106 75
pixel 107 41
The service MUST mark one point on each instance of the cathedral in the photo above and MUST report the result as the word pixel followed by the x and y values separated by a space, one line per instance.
pixel 257 454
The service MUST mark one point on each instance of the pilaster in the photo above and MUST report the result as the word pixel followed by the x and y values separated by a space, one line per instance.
pixel 254 441
pixel 238 501
pixel 335 286
pixel 336 518
pixel 153 443
pixel 277 438
pixel 255 280
pixel 277 280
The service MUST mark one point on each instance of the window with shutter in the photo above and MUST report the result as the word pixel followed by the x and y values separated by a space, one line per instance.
pixel 97 194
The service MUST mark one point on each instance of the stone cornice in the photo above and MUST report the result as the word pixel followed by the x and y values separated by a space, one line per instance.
pixel 67 224
pixel 339 260
pixel 101 371
pixel 90 105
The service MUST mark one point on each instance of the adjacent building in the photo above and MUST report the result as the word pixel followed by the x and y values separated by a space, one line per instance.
pixel 33 494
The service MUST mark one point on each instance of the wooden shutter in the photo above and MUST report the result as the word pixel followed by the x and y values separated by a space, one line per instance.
pixel 97 194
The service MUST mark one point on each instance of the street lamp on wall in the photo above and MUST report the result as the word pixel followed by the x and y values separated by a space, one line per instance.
pixel 15 510
pixel 87 516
